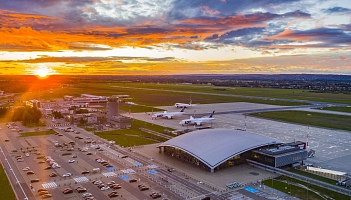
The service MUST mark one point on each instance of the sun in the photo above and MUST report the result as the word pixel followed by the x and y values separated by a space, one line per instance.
pixel 42 71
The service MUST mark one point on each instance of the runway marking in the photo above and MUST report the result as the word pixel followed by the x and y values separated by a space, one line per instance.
pixel 49 185
pixel 81 179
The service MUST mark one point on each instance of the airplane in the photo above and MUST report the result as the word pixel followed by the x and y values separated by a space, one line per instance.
pixel 183 105
pixel 168 115
pixel 197 121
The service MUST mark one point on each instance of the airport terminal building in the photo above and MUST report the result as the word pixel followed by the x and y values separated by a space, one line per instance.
pixel 215 149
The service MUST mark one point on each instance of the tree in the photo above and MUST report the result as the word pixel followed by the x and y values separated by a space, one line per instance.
pixel 83 121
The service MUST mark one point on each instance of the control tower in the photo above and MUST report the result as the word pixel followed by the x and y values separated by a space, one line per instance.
pixel 112 108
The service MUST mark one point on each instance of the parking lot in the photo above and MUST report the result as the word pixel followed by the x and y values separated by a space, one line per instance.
pixel 57 164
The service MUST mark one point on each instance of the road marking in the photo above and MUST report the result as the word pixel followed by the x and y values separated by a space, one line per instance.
pixel 128 171
pixel 49 185
pixel 81 179
pixel 108 174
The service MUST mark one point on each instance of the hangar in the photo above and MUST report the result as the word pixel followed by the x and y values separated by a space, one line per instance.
pixel 213 149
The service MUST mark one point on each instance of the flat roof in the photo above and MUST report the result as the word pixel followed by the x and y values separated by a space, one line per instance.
pixel 215 146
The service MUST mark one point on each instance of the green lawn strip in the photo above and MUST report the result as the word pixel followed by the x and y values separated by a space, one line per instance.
pixel 314 176
pixel 125 140
pixel 27 134
pixel 154 127
pixel 138 108
pixel 248 91
pixel 338 109
pixel 157 98
pixel 6 191
pixel 134 136
pixel 303 193
pixel 294 190
pixel 311 118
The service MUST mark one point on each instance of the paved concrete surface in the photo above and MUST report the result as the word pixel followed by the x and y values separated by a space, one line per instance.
pixel 333 147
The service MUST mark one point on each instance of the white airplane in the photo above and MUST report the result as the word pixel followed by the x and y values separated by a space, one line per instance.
pixel 168 115
pixel 197 121
pixel 184 105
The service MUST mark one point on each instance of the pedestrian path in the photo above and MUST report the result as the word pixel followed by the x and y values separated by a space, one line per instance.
pixel 152 166
pixel 54 125
pixel 108 174
pixel 49 185
pixel 81 179
pixel 128 171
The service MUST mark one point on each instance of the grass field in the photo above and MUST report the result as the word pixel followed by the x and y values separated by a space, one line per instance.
pixel 138 108
pixel 6 191
pixel 134 136
pixel 311 118
pixel 27 134
pixel 291 189
pixel 320 178
pixel 339 109
pixel 284 184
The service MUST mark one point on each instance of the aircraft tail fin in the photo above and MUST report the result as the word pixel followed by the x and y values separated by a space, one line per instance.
pixel 191 117
pixel 212 114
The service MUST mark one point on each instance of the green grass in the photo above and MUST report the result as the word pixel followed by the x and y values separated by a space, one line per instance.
pixel 134 136
pixel 294 190
pixel 339 109
pixel 6 191
pixel 138 108
pixel 314 176
pixel 27 134
pixel 311 118
pixel 300 192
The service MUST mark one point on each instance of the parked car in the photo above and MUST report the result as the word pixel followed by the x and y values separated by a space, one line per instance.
pixel 67 175
pixel 87 195
pixel 67 191
pixel 98 182
pixel 53 174
pixel 42 189
pixel 43 192
pixel 104 188
pixel 46 196
pixel 132 180
pixel 155 195
pixel 113 194
pixel 26 169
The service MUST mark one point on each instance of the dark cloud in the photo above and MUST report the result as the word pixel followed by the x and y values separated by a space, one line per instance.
pixel 339 10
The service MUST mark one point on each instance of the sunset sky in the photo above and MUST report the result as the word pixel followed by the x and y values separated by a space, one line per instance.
pixel 152 37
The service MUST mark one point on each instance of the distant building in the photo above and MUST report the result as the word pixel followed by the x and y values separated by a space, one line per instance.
pixel 33 103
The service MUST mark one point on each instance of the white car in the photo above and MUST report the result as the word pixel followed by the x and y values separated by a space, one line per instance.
pixel 71 161
pixel 27 154
pixel 67 175
pixel 97 182
pixel 26 169
pixel 87 195
pixel 105 188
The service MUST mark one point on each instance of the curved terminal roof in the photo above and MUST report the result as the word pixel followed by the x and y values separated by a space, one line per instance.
pixel 215 146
